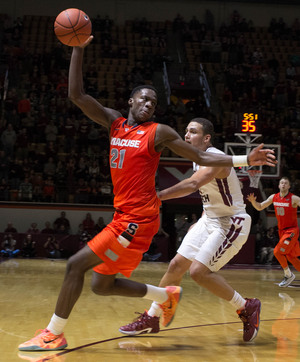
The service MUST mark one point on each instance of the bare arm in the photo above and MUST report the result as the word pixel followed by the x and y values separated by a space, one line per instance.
pixel 202 177
pixel 89 105
pixel 260 205
pixel 295 201
pixel 168 137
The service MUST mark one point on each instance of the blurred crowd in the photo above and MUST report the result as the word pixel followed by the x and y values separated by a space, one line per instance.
pixel 50 152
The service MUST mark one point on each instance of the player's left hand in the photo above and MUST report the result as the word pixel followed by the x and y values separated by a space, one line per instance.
pixel 259 156
pixel 251 198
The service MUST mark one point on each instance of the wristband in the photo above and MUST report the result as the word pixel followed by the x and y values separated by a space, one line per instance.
pixel 239 161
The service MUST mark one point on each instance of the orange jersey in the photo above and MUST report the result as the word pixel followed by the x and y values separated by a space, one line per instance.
pixel 286 214
pixel 133 165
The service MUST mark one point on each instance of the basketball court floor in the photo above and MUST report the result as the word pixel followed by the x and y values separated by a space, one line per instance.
pixel 205 328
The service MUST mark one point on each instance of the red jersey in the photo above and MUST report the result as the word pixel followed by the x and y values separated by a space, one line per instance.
pixel 133 165
pixel 286 214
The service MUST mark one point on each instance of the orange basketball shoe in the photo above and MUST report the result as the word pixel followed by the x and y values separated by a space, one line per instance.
pixel 45 340
pixel 170 305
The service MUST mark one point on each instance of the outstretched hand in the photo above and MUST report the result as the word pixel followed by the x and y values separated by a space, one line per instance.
pixel 251 197
pixel 259 156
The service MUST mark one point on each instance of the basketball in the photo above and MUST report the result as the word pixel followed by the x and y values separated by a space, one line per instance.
pixel 72 27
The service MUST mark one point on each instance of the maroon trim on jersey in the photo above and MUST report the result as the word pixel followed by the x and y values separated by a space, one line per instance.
pixel 227 243
pixel 224 191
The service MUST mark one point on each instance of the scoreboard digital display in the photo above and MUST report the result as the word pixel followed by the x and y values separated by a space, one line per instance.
pixel 249 123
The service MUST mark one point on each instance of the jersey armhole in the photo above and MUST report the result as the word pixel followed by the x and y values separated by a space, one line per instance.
pixel 151 141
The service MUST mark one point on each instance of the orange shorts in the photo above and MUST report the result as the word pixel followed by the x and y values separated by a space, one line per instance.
pixel 123 242
pixel 286 245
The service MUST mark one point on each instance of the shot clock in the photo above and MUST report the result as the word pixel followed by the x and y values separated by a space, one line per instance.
pixel 249 123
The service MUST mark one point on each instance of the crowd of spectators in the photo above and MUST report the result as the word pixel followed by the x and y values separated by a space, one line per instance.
pixel 50 152
pixel 50 236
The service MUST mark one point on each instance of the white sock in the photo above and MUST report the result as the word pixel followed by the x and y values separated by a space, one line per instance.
pixel 287 272
pixel 155 310
pixel 57 325
pixel 160 295
pixel 238 301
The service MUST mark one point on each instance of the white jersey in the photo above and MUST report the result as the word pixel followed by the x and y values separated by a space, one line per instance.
pixel 221 197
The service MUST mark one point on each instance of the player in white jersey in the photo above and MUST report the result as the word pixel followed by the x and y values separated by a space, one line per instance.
pixel 211 242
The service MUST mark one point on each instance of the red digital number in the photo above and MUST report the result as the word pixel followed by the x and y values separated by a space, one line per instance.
pixel 248 126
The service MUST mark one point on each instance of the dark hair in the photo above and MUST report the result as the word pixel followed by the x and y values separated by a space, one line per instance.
pixel 138 88
pixel 285 178
pixel 207 126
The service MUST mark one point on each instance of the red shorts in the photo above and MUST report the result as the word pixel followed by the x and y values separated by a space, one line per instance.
pixel 291 246
pixel 123 242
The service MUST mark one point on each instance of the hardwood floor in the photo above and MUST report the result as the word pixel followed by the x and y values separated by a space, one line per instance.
pixel 205 328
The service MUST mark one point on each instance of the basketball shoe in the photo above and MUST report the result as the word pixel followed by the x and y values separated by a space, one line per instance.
pixel 143 324
pixel 45 340
pixel 250 318
pixel 287 281
pixel 170 305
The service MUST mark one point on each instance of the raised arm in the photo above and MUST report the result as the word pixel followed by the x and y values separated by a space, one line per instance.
pixel 89 105
pixel 168 137
pixel 260 205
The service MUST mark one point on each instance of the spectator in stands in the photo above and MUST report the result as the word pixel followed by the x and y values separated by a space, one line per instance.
pixel 268 243
pixel 33 229
pixel 52 248
pixel 60 182
pixel 4 190
pixel 10 228
pixel 99 226
pixel 49 167
pixel 4 165
pixel 84 236
pixel 48 229
pixel 49 190
pixel 81 192
pixel 9 247
pixel 69 132
pixel 82 169
pixel 62 221
pixel 104 174
pixel 8 140
pixel 94 169
pixel 83 131
pixel 88 223
pixel 28 247
pixel 161 237
pixel 22 144
pixel 181 225
pixel 51 131
pixel 93 191
pixel 37 184
pixel 25 190
pixel 24 106
pixel 106 196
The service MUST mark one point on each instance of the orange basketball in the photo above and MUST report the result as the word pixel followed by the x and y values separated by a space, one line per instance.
pixel 72 27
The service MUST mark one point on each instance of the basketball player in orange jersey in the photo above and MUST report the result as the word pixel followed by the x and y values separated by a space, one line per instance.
pixel 135 148
pixel 287 249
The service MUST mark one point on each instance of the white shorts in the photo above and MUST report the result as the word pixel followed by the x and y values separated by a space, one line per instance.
pixel 214 242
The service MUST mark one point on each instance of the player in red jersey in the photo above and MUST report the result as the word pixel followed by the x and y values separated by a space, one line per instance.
pixel 136 144
pixel 287 249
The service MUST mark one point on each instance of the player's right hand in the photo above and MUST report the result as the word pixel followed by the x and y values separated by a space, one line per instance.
pixel 87 42
pixel 259 156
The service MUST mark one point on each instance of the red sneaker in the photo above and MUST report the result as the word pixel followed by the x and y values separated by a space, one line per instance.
pixel 250 318
pixel 143 324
